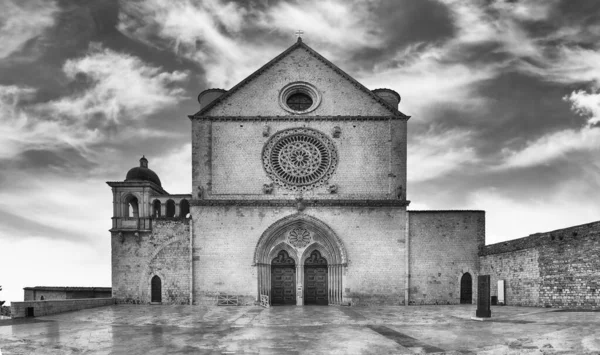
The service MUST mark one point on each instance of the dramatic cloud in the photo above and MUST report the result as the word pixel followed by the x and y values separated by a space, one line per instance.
pixel 206 32
pixel 118 89
pixel 436 153
pixel 21 21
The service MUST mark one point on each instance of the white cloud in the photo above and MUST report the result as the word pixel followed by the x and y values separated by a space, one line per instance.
pixel 561 143
pixel 209 32
pixel 551 147
pixel 21 21
pixel 511 218
pixel 122 85
pixel 436 154
pixel 122 88
pixel 345 26
pixel 425 80
pixel 204 32
pixel 175 169
pixel 44 262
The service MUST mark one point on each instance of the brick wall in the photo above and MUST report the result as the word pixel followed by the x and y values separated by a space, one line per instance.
pixel 43 308
pixel 225 239
pixel 553 269
pixel 521 273
pixel 163 252
pixel 444 245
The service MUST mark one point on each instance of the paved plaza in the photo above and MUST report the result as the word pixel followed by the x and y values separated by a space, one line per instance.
pixel 135 329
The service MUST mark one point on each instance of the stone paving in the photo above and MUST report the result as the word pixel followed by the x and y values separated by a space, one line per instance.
pixel 136 329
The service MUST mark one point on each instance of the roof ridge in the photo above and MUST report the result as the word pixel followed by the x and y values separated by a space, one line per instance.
pixel 314 53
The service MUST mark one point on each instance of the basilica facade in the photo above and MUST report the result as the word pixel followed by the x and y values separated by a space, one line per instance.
pixel 298 197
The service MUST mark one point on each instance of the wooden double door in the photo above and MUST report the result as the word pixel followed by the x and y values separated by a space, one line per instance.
pixel 283 280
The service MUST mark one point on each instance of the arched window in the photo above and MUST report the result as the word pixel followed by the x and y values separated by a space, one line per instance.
pixel 131 207
pixel 42 298
pixel 184 208
pixel 170 208
pixel 156 209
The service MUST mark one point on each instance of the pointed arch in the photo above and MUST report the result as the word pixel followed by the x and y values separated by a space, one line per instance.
pixel 321 239
pixel 322 234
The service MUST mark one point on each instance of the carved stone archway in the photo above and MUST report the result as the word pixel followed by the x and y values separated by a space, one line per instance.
pixel 299 235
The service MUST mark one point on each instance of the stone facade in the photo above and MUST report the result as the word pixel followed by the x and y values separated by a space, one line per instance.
pixel 164 252
pixel 444 246
pixel 553 269
pixel 298 171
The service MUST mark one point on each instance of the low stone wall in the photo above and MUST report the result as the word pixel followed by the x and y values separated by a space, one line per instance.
pixel 560 268
pixel 43 308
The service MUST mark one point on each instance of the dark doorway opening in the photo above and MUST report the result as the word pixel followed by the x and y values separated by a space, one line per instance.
pixel 29 312
pixel 315 280
pixel 283 280
pixel 156 286
pixel 466 289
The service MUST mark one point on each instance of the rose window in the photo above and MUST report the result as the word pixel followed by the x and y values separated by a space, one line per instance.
pixel 299 158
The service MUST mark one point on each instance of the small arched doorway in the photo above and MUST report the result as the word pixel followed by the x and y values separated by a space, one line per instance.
pixel 156 289
pixel 283 279
pixel 466 289
pixel 315 279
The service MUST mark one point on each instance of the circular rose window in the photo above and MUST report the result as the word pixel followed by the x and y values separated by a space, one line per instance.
pixel 299 159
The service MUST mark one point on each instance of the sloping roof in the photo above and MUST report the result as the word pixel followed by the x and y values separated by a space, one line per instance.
pixel 298 44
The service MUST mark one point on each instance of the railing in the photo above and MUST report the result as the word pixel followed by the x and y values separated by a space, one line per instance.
pixel 264 301
pixel 132 223
pixel 227 300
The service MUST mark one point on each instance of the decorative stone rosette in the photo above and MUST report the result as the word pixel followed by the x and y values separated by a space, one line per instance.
pixel 299 238
pixel 299 159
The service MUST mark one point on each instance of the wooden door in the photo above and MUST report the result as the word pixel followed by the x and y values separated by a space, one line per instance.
pixel 283 280
pixel 466 289
pixel 315 279
pixel 156 287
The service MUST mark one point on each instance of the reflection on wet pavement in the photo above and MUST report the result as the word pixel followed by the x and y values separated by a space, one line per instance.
pixel 145 329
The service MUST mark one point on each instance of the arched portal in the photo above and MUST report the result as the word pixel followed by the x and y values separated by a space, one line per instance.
pixel 156 289
pixel 283 276
pixel 466 289
pixel 300 236
pixel 315 279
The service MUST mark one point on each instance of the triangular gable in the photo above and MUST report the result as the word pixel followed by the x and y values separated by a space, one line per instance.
pixel 389 109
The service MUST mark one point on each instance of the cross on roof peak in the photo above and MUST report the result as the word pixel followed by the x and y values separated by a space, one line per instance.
pixel 299 34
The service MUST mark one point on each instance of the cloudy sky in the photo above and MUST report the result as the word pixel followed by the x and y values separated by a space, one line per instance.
pixel 504 98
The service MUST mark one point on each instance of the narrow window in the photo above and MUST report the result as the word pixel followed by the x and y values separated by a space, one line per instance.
pixel 184 208
pixel 170 208
pixel 156 205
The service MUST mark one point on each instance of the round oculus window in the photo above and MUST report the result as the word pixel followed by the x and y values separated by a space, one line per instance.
pixel 299 159
pixel 299 102
pixel 299 97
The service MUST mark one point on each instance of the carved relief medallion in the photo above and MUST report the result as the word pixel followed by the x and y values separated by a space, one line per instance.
pixel 299 237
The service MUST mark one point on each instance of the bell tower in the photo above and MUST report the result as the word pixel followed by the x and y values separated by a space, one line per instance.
pixel 131 199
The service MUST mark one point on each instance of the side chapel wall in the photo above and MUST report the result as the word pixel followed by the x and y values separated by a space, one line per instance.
pixel 443 245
